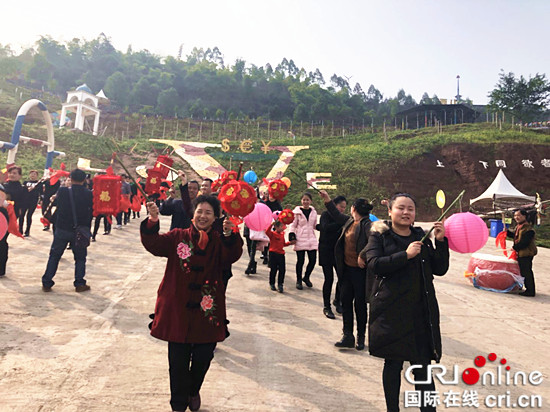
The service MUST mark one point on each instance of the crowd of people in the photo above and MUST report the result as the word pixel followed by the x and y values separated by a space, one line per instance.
pixel 384 269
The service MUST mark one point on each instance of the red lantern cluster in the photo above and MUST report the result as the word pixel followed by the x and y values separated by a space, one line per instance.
pixel 107 194
pixel 237 198
pixel 286 216
pixel 225 178
pixel 277 189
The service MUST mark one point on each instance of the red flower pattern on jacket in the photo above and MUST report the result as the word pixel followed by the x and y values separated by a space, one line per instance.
pixel 207 303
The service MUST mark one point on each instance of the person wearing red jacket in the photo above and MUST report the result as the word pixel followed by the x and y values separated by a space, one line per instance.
pixel 277 242
pixel 190 309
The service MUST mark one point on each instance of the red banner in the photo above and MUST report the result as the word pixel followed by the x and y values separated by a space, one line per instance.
pixel 107 194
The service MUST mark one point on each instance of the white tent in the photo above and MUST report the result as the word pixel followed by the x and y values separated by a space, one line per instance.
pixel 502 190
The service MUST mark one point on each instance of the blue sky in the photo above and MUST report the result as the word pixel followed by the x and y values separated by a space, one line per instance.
pixel 418 45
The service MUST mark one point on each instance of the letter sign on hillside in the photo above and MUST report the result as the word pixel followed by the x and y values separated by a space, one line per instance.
pixel 320 180
pixel 205 165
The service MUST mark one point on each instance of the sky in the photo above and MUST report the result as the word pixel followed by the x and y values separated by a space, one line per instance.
pixel 416 45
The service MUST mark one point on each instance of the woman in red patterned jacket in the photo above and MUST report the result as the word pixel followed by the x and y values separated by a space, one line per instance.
pixel 190 308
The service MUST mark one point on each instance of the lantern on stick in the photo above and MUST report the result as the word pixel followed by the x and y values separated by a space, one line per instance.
pixel 164 165
pixel 466 232
pixel 237 198
pixel 106 194
pixel 277 189
pixel 154 179
pixel 286 216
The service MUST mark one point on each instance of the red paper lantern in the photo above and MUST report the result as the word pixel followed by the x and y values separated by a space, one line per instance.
pixel 107 194
pixel 217 184
pixel 229 175
pixel 237 198
pixel 277 189
pixel 466 232
pixel 154 179
pixel 162 168
pixel 286 216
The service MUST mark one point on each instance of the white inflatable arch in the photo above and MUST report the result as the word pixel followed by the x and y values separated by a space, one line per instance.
pixel 16 134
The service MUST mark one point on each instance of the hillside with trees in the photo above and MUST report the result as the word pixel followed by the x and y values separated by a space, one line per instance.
pixel 199 86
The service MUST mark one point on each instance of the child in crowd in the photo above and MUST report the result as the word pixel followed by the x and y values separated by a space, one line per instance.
pixel 277 254
pixel 4 240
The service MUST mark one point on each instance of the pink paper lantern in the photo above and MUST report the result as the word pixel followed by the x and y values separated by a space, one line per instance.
pixel 467 233
pixel 260 218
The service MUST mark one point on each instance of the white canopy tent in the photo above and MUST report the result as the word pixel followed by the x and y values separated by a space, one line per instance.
pixel 502 193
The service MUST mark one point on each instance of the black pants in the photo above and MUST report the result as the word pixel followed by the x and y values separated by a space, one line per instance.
pixel 391 376
pixel 526 270
pixel 251 245
pixel 353 295
pixel 311 258
pixel 106 224
pixel 20 210
pixel 277 264
pixel 328 272
pixel 188 364
pixel 3 256
pixel 26 213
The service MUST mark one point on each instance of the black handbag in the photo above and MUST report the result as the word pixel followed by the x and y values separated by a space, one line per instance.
pixel 82 234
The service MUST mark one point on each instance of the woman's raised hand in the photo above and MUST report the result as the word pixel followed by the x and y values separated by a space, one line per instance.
pixel 324 195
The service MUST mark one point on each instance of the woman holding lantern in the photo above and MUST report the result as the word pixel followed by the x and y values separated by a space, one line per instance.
pixel 404 313
pixel 190 309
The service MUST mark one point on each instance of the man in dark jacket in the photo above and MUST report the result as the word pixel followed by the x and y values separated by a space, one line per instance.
pixel 64 233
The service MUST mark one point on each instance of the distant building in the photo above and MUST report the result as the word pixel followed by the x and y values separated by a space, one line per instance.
pixel 429 115
pixel 83 103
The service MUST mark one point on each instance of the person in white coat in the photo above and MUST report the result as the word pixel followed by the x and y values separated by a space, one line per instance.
pixel 303 231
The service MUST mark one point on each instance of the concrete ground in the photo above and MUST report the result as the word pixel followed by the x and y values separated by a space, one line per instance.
pixel 64 351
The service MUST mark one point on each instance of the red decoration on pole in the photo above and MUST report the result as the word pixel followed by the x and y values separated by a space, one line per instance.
pixel 277 189
pixel 107 194
pixel 154 179
pixel 286 216
pixel 237 198
pixel 163 165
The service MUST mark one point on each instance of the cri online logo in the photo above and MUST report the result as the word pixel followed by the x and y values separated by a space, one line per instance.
pixel 471 376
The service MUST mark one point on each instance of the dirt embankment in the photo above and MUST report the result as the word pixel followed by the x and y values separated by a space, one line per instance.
pixel 463 169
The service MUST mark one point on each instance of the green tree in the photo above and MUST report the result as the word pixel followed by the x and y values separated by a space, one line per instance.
pixel 523 98
pixel 117 89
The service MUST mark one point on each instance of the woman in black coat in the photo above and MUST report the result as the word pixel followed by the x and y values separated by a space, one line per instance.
pixel 404 314
pixel 352 275
pixel 329 231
